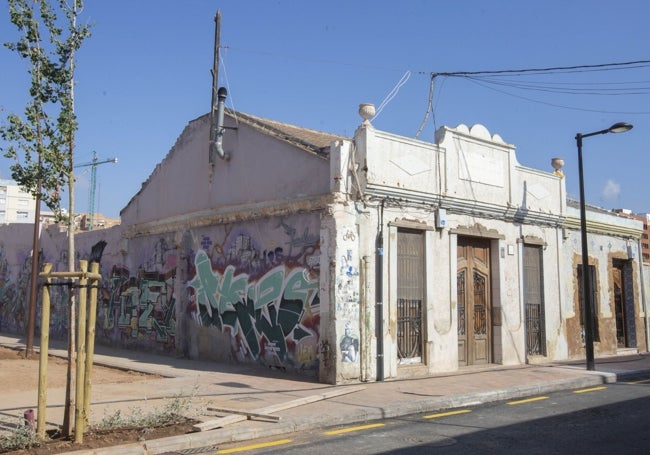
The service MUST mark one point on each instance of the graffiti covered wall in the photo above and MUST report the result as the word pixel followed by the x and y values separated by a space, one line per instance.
pixel 15 272
pixel 137 304
pixel 259 283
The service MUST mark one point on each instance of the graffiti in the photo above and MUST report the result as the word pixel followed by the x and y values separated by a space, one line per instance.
pixel 140 307
pixel 347 287
pixel 349 235
pixel 14 292
pixel 272 316
pixel 347 294
pixel 306 240
pixel 349 345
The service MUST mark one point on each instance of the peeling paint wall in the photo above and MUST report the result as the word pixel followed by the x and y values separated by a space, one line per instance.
pixel 604 251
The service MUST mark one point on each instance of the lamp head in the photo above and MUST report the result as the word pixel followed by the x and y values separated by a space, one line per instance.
pixel 620 127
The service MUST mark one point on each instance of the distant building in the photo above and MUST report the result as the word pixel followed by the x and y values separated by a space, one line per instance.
pixel 82 222
pixel 16 205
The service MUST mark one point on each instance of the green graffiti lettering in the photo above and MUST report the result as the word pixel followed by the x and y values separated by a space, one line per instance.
pixel 298 287
pixel 231 291
pixel 205 282
pixel 269 288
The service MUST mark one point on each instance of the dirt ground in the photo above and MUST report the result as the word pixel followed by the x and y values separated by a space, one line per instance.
pixel 13 364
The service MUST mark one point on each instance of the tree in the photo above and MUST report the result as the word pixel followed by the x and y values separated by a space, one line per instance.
pixel 41 143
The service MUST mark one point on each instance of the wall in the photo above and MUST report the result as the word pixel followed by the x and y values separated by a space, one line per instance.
pixel 475 177
pixel 15 272
pixel 610 238
pixel 260 168
pixel 257 282
pixel 244 293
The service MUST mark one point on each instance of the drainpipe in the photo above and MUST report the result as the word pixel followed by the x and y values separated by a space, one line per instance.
pixel 216 145
pixel 363 321
pixel 379 292
pixel 644 301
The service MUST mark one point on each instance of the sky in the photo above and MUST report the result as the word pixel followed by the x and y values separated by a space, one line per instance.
pixel 145 73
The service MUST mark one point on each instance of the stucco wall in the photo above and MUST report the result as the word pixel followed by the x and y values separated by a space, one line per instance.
pixel 260 168
pixel 603 250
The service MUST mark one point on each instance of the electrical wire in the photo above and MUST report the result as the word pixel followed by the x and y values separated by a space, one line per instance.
pixel 230 98
pixel 393 93
pixel 582 68
pixel 429 107
pixel 481 84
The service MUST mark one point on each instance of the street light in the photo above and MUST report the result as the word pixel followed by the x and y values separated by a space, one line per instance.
pixel 620 127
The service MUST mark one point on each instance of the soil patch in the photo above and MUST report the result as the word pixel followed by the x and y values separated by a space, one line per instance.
pixel 20 374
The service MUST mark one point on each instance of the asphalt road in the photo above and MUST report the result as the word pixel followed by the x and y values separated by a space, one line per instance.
pixel 609 420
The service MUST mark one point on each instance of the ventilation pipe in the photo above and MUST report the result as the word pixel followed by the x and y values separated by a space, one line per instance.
pixel 216 145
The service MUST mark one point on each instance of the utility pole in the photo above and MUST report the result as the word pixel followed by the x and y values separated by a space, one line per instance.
pixel 93 183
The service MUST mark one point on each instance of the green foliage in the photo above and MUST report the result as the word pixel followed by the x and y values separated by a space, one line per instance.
pixel 177 410
pixel 41 141
pixel 24 437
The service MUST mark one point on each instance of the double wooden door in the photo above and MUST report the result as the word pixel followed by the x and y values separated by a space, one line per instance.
pixel 474 303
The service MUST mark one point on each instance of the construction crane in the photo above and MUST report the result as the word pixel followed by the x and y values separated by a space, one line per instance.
pixel 93 183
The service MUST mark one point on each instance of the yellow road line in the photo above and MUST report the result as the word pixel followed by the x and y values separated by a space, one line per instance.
pixel 351 429
pixel 527 400
pixel 445 414
pixel 593 389
pixel 256 446
pixel 638 382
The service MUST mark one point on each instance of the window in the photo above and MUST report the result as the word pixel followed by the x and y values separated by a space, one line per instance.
pixel 23 202
pixel 21 214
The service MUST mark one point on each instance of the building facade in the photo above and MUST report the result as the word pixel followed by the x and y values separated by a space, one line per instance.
pixel 352 259
pixel 16 205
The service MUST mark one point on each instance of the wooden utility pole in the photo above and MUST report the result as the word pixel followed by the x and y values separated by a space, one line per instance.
pixel 215 83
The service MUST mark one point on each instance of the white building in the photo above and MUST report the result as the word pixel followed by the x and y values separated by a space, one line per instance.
pixel 16 205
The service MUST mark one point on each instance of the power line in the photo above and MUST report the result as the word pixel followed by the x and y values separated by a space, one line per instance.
pixel 543 70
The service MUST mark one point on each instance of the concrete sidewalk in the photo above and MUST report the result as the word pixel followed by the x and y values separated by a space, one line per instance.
pixel 250 388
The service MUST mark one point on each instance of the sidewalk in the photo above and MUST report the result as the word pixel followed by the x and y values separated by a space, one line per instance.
pixel 250 388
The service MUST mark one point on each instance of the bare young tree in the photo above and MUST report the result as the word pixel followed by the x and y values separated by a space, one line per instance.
pixel 41 142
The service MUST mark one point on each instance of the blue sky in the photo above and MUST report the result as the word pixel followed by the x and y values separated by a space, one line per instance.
pixel 145 73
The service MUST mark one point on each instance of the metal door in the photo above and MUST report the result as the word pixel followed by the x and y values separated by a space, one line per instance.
pixel 410 295
pixel 534 300
pixel 619 307
pixel 624 304
pixel 474 303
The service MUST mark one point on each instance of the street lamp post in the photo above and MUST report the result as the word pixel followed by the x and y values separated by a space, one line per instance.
pixel 586 282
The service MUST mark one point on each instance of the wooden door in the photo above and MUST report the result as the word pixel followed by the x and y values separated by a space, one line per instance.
pixel 474 303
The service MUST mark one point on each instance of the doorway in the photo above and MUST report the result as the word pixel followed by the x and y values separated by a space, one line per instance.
pixel 623 305
pixel 534 300
pixel 410 295
pixel 474 302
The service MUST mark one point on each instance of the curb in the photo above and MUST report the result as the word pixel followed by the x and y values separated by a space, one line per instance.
pixel 209 440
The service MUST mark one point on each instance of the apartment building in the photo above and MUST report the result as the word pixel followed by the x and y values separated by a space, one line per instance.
pixel 16 205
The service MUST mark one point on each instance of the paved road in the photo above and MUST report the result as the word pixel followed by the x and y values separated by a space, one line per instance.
pixel 607 419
